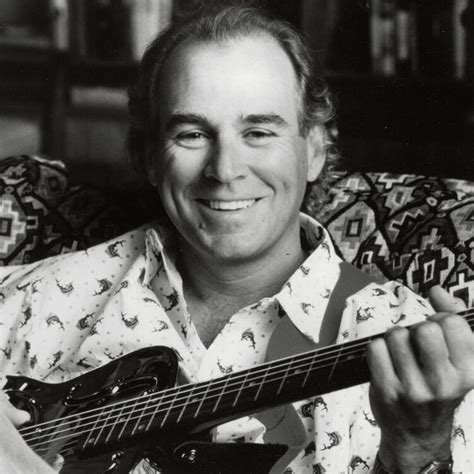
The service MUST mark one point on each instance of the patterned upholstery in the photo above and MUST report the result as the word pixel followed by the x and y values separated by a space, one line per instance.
pixel 43 214
pixel 415 229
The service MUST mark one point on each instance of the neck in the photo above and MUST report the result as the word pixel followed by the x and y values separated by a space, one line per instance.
pixel 244 281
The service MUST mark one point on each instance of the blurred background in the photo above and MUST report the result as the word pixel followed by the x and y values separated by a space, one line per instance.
pixel 401 71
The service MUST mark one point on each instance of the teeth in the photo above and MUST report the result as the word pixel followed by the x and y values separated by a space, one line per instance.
pixel 230 205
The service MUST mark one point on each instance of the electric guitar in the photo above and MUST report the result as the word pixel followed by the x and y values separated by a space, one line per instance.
pixel 131 408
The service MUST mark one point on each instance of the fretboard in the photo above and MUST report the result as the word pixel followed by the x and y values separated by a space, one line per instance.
pixel 208 403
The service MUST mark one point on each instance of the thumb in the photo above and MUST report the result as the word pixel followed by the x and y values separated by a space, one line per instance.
pixel 16 416
pixel 442 301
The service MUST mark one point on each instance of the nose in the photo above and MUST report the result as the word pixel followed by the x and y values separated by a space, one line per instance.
pixel 226 162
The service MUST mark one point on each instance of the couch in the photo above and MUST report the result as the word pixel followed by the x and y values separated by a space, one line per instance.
pixel 418 230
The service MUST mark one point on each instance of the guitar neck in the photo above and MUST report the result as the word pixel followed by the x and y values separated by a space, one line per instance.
pixel 271 384
pixel 195 406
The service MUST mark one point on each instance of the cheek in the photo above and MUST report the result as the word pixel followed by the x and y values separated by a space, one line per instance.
pixel 289 164
pixel 176 172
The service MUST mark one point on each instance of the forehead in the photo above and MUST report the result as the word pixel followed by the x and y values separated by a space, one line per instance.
pixel 253 74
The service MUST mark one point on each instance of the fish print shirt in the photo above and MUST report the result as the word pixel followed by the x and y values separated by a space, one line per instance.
pixel 68 314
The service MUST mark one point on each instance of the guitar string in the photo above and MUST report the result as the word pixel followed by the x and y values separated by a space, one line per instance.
pixel 334 349
pixel 110 423
pixel 157 396
pixel 147 410
pixel 264 368
pixel 71 442
pixel 135 418
pixel 281 363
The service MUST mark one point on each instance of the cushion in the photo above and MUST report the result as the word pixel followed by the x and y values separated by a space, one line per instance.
pixel 42 213
pixel 414 229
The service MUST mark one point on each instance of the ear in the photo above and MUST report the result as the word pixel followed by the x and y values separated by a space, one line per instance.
pixel 151 176
pixel 151 170
pixel 316 152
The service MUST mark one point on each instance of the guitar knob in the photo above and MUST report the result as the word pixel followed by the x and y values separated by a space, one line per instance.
pixel 189 455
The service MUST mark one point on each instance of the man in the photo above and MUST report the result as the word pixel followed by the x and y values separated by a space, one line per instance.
pixel 229 126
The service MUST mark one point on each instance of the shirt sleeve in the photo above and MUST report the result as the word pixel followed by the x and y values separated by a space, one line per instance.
pixel 345 436
pixel 375 309
pixel 16 286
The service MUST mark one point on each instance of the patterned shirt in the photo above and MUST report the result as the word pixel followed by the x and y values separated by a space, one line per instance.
pixel 71 313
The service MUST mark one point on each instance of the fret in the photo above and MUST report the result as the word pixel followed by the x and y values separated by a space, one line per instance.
pixel 91 438
pixel 99 434
pixel 284 379
pixel 242 386
pixel 186 403
pixel 203 398
pixel 197 397
pixel 334 365
pixel 222 391
pixel 118 423
pixel 127 419
pixel 170 408
pixel 308 372
pixel 261 383
pixel 155 412
pixel 140 425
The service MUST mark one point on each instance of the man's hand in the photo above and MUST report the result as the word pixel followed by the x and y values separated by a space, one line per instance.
pixel 15 455
pixel 419 377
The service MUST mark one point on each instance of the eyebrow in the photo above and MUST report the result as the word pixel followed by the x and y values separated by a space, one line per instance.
pixel 265 119
pixel 180 119
pixel 253 119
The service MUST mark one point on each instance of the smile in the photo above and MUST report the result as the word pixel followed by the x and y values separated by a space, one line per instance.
pixel 229 205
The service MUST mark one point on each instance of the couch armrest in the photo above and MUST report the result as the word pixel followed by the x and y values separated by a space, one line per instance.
pixel 415 229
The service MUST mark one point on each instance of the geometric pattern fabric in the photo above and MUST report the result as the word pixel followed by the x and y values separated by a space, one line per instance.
pixel 415 229
pixel 43 213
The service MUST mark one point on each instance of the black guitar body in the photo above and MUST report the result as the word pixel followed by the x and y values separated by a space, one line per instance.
pixel 113 416
pixel 148 370
pixel 142 372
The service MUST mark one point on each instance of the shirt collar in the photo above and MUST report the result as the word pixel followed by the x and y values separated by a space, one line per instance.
pixel 304 297
pixel 161 253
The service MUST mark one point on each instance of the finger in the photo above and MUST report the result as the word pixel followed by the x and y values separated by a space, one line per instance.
pixel 433 356
pixel 16 416
pixel 459 340
pixel 383 375
pixel 441 300
pixel 406 365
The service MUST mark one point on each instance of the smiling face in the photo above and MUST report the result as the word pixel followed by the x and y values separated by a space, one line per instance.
pixel 233 166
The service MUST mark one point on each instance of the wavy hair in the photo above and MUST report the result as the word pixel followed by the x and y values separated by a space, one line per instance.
pixel 217 25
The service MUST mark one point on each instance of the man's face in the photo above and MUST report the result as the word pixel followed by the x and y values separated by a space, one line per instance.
pixel 233 167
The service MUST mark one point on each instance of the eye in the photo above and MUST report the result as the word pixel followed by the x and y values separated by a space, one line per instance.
pixel 192 139
pixel 259 137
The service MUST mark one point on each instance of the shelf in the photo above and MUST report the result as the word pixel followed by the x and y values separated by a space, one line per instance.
pixel 105 113
pixel 399 123
pixel 397 81
pixel 34 43
pixel 407 109
pixel 96 72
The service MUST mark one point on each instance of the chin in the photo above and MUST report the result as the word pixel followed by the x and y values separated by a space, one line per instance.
pixel 236 252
